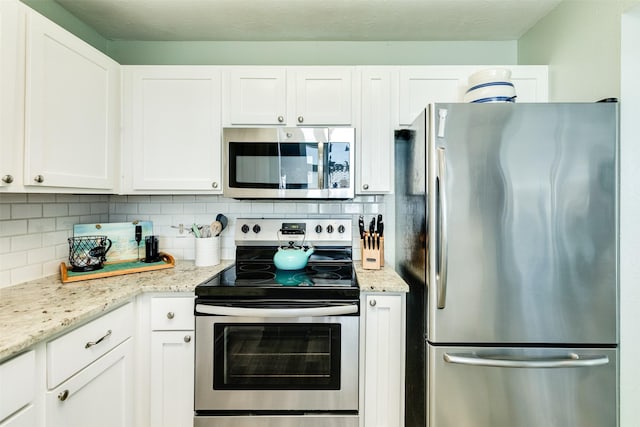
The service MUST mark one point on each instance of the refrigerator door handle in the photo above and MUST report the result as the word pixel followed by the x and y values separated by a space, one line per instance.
pixel 572 360
pixel 441 274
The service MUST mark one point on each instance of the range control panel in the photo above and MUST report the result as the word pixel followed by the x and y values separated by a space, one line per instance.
pixel 272 231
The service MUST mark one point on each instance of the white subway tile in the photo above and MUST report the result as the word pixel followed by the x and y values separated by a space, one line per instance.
pixel 55 209
pixel 41 255
pixel 184 199
pixel 52 267
pixel 330 208
pixel 41 198
pixel 99 208
pixel 138 199
pixel 352 208
pixel 149 208
pixel 13 228
pixel 23 243
pixel 26 273
pixel 126 208
pixel 306 208
pixel 259 208
pixel 79 209
pixel 5 212
pixel 195 208
pixel 5 245
pixel 171 208
pixel 13 198
pixel 66 222
pixel 41 225
pixel 13 260
pixel 67 198
pixel 5 278
pixel 20 211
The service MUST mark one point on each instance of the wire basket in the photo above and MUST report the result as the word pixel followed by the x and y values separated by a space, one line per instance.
pixel 88 253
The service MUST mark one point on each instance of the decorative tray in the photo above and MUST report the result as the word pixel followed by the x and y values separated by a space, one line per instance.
pixel 116 269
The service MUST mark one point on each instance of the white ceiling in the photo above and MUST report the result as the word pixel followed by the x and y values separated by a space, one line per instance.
pixel 310 20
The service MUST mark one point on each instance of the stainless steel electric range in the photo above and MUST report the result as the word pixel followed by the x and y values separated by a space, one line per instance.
pixel 280 347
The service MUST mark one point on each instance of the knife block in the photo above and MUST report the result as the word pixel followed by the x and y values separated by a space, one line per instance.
pixel 372 259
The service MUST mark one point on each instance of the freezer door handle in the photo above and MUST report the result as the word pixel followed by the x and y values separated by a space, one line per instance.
pixel 441 273
pixel 573 360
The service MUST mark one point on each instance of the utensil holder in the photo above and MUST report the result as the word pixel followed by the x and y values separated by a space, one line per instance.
pixel 372 258
pixel 207 251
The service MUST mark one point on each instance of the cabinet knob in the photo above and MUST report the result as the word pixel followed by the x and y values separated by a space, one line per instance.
pixel 171 315
pixel 63 395
pixel 365 187
pixel 300 119
pixel 280 119
pixel 372 303
pixel 7 179
pixel 187 338
pixel 39 179
pixel 214 184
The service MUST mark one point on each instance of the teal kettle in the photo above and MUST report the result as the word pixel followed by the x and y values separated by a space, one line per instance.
pixel 292 257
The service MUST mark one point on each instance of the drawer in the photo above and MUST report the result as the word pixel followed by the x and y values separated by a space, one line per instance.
pixel 172 313
pixel 75 350
pixel 17 383
pixel 28 417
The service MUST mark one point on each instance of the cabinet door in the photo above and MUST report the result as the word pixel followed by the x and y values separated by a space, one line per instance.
pixel 72 110
pixel 172 365
pixel 27 417
pixel 172 129
pixel 384 361
pixel 12 23
pixel 420 86
pixel 256 96
pixel 323 96
pixel 98 396
pixel 375 153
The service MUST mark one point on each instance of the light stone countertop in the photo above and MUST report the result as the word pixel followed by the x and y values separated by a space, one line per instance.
pixel 38 310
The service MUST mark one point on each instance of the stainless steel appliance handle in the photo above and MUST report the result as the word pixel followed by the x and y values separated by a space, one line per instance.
pixel 441 275
pixel 320 165
pixel 276 312
pixel 573 360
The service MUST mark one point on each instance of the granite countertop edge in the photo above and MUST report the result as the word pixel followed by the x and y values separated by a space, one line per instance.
pixel 42 309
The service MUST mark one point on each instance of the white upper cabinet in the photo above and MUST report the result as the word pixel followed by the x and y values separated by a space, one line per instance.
pixel 171 129
pixel 421 85
pixel 323 96
pixel 12 24
pixel 374 158
pixel 255 95
pixel 292 96
pixel 72 111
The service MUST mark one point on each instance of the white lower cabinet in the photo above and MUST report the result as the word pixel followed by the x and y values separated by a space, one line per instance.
pixel 172 378
pixel 383 359
pixel 171 361
pixel 98 396
pixel 26 417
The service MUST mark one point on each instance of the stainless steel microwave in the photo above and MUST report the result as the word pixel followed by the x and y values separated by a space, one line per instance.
pixel 289 163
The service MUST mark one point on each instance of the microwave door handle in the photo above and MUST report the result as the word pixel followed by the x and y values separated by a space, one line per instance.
pixel 276 312
pixel 321 165
pixel 572 360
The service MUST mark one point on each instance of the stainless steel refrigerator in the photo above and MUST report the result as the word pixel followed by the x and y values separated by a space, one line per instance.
pixel 509 221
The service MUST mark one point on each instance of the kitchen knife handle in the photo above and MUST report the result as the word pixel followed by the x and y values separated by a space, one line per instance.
pixel 441 273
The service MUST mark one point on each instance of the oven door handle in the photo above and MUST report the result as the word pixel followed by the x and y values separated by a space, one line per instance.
pixel 276 312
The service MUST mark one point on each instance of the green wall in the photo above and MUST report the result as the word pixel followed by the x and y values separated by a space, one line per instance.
pixel 313 53
pixel 62 17
pixel 580 41
pixel 283 53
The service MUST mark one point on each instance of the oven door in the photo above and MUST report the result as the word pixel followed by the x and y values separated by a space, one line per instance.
pixel 276 359
pixel 296 163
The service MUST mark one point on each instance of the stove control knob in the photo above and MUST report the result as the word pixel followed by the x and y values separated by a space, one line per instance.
pixel 245 228
pixel 329 228
pixel 341 229
pixel 256 228
pixel 318 229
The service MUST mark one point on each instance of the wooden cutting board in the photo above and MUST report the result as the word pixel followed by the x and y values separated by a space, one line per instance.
pixel 122 235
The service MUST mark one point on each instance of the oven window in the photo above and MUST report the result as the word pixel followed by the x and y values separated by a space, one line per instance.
pixel 273 165
pixel 287 356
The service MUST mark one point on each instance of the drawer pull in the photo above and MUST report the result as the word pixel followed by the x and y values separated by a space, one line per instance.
pixel 63 395
pixel 92 343
pixel 170 315
pixel 187 338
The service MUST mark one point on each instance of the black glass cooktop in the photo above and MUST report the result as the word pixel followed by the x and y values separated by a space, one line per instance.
pixel 328 275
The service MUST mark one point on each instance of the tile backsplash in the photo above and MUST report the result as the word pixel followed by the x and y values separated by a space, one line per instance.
pixel 34 227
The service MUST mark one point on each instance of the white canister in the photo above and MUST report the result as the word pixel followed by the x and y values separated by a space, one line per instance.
pixel 207 251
